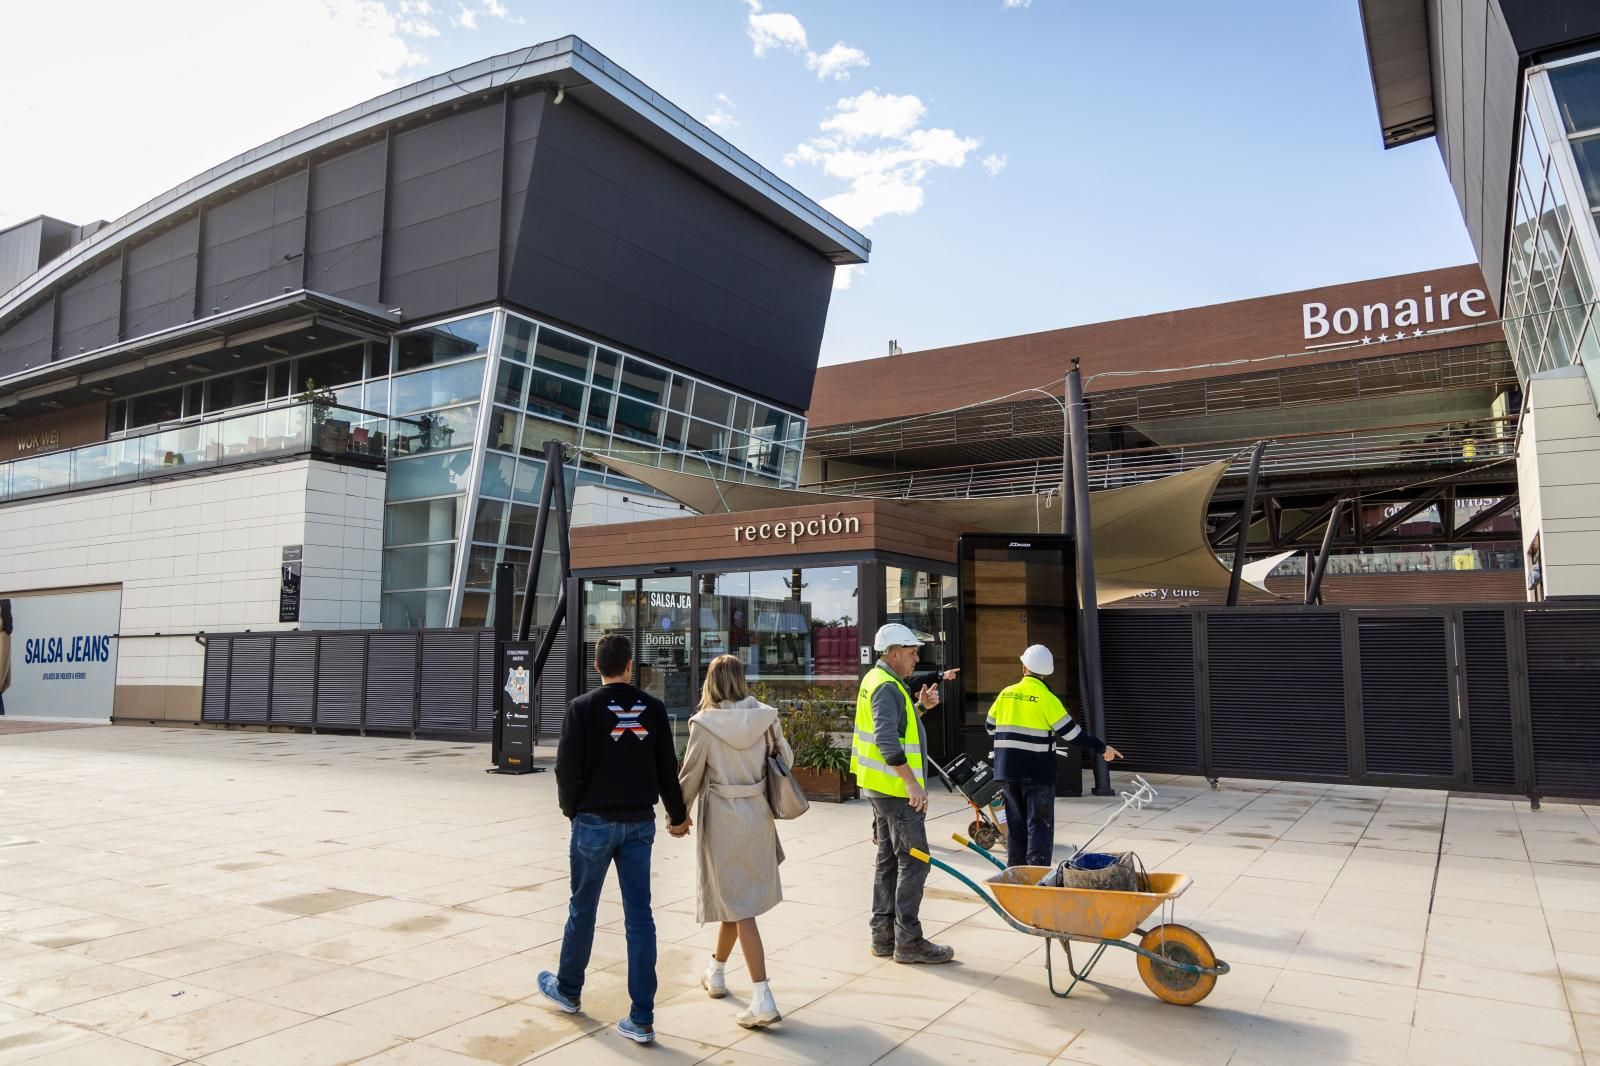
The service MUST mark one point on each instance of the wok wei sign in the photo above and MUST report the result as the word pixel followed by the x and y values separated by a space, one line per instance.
pixel 64 654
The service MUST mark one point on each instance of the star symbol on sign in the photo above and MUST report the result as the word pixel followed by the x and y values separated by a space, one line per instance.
pixel 1366 340
pixel 1417 332
pixel 1382 337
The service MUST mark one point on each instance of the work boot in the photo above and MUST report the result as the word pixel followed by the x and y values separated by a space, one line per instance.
pixel 925 951
pixel 882 948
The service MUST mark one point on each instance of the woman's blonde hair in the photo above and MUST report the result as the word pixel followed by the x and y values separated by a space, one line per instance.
pixel 724 683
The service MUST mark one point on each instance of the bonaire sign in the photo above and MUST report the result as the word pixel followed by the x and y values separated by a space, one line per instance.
pixel 1376 323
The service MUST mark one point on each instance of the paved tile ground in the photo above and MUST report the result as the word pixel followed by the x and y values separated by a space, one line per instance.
pixel 236 899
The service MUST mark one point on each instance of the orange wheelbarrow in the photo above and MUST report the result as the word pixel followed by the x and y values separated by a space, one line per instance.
pixel 1175 962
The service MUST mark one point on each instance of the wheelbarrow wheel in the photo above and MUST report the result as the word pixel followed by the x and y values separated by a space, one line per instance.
pixel 983 834
pixel 1180 944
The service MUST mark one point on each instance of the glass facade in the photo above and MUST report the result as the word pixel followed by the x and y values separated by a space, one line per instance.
pixel 1553 259
pixel 487 391
pixel 460 409
pixel 797 630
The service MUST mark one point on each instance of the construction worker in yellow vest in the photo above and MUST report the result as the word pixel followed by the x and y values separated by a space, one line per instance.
pixel 886 758
pixel 1026 721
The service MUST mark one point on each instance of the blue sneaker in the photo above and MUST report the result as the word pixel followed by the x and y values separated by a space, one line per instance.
pixel 639 1034
pixel 551 990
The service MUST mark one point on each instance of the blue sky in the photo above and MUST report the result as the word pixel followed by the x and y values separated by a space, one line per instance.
pixel 1018 167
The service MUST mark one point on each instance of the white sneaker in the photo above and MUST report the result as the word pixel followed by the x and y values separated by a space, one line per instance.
pixel 763 1010
pixel 713 981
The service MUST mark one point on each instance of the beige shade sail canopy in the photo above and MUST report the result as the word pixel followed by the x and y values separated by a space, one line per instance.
pixel 1146 536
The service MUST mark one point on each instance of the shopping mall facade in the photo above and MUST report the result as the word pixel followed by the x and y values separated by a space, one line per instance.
pixel 1510 91
pixel 309 391
pixel 310 388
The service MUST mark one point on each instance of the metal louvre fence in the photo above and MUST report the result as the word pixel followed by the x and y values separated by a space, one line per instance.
pixel 1482 698
pixel 429 681
pixel 1479 697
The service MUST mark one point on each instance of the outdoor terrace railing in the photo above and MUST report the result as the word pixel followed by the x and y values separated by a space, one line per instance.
pixel 1432 444
pixel 305 428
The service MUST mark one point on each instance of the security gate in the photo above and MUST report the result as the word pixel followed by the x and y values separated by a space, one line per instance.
pixel 1490 698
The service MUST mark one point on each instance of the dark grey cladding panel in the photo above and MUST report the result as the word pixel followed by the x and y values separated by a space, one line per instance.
pixel 444 213
pixel 346 230
pixel 1500 139
pixel 88 315
pixel 1476 73
pixel 1541 26
pixel 160 282
pixel 26 343
pixel 611 238
pixel 253 244
pixel 460 282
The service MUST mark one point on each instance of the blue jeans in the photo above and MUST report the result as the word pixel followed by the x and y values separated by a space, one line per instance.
pixel 596 843
pixel 1030 823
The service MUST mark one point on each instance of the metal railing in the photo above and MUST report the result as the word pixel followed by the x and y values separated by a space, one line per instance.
pixel 1431 444
pixel 328 430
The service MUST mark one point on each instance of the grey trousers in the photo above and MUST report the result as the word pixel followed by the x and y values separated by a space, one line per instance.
pixel 899 879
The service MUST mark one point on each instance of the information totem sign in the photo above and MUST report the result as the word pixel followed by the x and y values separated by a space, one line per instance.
pixel 289 584
pixel 516 703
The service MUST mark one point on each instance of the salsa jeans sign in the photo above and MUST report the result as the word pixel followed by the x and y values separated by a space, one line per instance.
pixel 64 654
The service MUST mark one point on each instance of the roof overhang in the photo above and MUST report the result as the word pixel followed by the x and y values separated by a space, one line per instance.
pixel 569 64
pixel 254 324
pixel 1396 33
pixel 1146 536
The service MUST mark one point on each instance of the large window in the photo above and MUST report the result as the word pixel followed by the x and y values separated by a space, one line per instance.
pixel 793 629
pixel 469 455
pixel 1553 256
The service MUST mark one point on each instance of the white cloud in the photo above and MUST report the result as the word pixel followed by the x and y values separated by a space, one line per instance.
pixel 993 163
pixel 417 27
pixel 874 143
pixel 836 62
pixel 780 30
pixel 467 19
pixel 722 118
pixel 495 9
pixel 774 29
pixel 844 275
pixel 874 114
pixel 1013 4
pixel 104 142
pixel 420 8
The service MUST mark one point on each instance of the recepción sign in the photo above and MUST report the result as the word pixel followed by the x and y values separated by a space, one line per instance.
pixel 834 525
pixel 63 654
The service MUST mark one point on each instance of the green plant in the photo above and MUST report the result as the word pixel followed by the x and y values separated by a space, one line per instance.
pixel 320 398
pixel 812 721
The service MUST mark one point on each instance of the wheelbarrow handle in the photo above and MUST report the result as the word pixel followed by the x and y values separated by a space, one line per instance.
pixel 922 856
pixel 970 846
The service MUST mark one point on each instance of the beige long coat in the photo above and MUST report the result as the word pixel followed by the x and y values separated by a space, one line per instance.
pixel 725 768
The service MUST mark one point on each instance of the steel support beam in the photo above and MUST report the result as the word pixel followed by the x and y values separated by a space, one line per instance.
pixel 1089 631
pixel 1314 592
pixel 1246 513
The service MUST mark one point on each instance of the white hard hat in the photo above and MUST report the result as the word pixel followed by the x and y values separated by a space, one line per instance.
pixel 1038 660
pixel 895 635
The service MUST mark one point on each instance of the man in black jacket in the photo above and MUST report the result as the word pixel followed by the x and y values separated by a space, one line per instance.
pixel 615 760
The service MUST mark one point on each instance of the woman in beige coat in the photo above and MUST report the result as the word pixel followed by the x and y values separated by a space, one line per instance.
pixel 725 768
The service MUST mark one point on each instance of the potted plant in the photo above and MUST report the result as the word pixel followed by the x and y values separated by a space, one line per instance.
pixel 813 723
pixel 319 399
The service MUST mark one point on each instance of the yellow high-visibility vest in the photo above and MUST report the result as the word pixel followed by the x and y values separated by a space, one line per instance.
pixel 866 761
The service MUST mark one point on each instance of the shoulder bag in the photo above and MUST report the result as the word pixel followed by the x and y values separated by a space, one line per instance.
pixel 783 791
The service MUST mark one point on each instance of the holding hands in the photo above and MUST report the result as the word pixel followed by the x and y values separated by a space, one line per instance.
pixel 682 828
